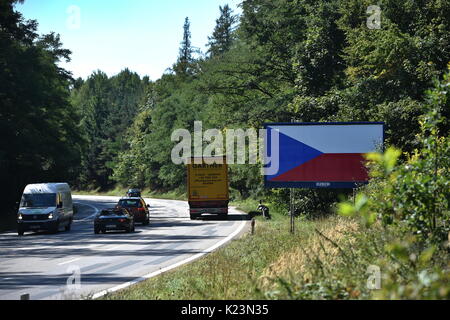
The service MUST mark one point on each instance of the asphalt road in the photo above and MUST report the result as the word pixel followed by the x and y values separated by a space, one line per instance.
pixel 79 264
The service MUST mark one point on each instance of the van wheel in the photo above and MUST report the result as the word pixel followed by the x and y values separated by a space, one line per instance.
pixel 20 232
pixel 55 229
pixel 96 230
pixel 68 227
pixel 194 217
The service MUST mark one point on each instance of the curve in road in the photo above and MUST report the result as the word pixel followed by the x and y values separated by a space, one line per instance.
pixel 79 264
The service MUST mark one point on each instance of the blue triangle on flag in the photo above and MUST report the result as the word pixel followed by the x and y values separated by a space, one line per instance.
pixel 292 153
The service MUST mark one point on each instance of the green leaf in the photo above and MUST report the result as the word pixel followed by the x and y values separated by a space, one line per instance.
pixel 360 201
pixel 400 251
pixel 346 209
pixel 390 158
pixel 369 218
pixel 426 255
pixel 374 156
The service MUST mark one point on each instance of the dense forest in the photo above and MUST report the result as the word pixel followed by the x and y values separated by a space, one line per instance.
pixel 279 60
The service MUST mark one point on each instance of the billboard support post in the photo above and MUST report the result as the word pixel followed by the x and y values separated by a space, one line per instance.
pixel 291 203
pixel 291 209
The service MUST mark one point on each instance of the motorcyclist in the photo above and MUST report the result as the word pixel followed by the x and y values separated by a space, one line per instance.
pixel 265 210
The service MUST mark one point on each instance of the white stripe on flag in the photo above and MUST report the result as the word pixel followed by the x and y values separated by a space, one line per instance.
pixel 336 138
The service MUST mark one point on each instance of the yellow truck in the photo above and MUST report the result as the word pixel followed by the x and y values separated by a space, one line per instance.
pixel 207 182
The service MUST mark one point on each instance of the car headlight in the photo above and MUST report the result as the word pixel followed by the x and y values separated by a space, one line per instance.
pixel 19 216
pixel 50 216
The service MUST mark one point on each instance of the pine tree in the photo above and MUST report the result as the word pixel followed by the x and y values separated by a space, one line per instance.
pixel 222 37
pixel 182 67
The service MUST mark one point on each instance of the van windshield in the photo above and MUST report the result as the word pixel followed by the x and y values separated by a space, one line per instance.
pixel 38 200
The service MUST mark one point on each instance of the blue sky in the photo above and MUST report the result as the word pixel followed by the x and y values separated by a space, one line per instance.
pixel 143 35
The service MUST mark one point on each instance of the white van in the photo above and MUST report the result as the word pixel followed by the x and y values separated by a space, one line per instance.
pixel 45 206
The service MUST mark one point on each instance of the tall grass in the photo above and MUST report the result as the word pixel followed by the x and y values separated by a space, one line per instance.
pixel 325 259
pixel 232 272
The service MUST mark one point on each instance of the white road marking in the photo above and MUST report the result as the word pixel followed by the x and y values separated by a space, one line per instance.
pixel 174 206
pixel 67 262
pixel 114 248
pixel 173 266
pixel 91 216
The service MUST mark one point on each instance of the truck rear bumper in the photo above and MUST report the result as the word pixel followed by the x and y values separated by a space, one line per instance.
pixel 199 211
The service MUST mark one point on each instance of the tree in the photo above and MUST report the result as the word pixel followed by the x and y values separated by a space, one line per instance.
pixel 222 37
pixel 183 67
pixel 39 136
pixel 304 59
pixel 108 107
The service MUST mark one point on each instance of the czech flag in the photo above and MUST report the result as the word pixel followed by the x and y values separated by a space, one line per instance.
pixel 322 154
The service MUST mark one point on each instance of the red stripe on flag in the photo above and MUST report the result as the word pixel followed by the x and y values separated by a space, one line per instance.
pixel 332 167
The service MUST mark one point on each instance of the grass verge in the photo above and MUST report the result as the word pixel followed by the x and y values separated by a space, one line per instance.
pixel 328 258
pixel 247 268
pixel 231 272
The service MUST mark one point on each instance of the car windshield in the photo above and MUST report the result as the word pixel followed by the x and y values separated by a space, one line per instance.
pixel 130 203
pixel 38 200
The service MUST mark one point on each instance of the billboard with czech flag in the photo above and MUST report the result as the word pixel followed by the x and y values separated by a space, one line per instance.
pixel 322 155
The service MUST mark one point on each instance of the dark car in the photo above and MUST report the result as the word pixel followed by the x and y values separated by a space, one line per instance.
pixel 134 193
pixel 137 207
pixel 114 219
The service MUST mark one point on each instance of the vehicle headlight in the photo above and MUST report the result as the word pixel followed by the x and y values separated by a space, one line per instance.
pixel 50 216
pixel 19 216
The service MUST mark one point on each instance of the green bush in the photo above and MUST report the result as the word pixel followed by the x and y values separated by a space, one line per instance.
pixel 413 195
pixel 411 199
